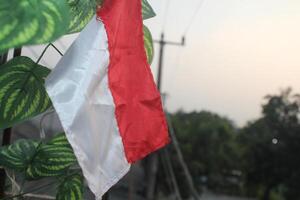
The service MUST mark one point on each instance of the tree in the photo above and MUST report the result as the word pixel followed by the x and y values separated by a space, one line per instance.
pixel 271 145
pixel 22 92
pixel 208 144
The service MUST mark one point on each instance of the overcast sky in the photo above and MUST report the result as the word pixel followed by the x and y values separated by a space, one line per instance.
pixel 237 51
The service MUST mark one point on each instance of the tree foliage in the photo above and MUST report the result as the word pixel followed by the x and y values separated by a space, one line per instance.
pixel 271 145
pixel 208 144
pixel 260 160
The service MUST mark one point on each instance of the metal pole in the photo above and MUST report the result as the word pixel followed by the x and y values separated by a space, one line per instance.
pixel 17 52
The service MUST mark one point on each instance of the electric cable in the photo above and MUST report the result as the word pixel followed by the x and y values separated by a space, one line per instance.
pixel 177 65
pixel 165 15
pixel 193 17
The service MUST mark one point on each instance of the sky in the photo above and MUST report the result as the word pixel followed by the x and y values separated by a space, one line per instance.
pixel 236 52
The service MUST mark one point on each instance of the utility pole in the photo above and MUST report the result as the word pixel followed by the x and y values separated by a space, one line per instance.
pixel 153 159
pixel 162 43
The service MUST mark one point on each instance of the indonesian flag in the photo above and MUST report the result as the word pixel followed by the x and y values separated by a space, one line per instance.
pixel 106 98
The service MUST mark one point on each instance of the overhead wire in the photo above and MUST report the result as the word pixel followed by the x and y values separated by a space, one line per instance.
pixel 178 56
pixel 166 162
pixel 198 8
pixel 178 151
pixel 165 15
pixel 186 30
pixel 177 64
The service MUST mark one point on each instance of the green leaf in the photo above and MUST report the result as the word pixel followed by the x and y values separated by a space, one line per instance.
pixel 18 155
pixel 81 13
pixel 83 10
pixel 71 188
pixel 59 140
pixel 22 92
pixel 38 160
pixel 26 22
pixel 52 158
pixel 147 10
pixel 148 43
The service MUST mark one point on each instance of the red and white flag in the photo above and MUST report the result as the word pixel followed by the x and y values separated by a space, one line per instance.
pixel 106 98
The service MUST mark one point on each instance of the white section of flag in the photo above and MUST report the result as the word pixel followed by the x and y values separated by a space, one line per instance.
pixel 78 88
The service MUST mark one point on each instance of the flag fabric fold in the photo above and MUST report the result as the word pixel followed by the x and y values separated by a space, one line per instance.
pixel 106 98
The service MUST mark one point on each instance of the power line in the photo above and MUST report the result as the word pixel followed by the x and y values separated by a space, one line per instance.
pixel 165 15
pixel 189 25
pixel 176 65
pixel 193 17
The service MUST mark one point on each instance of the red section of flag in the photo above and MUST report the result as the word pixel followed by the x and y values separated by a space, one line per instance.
pixel 139 112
